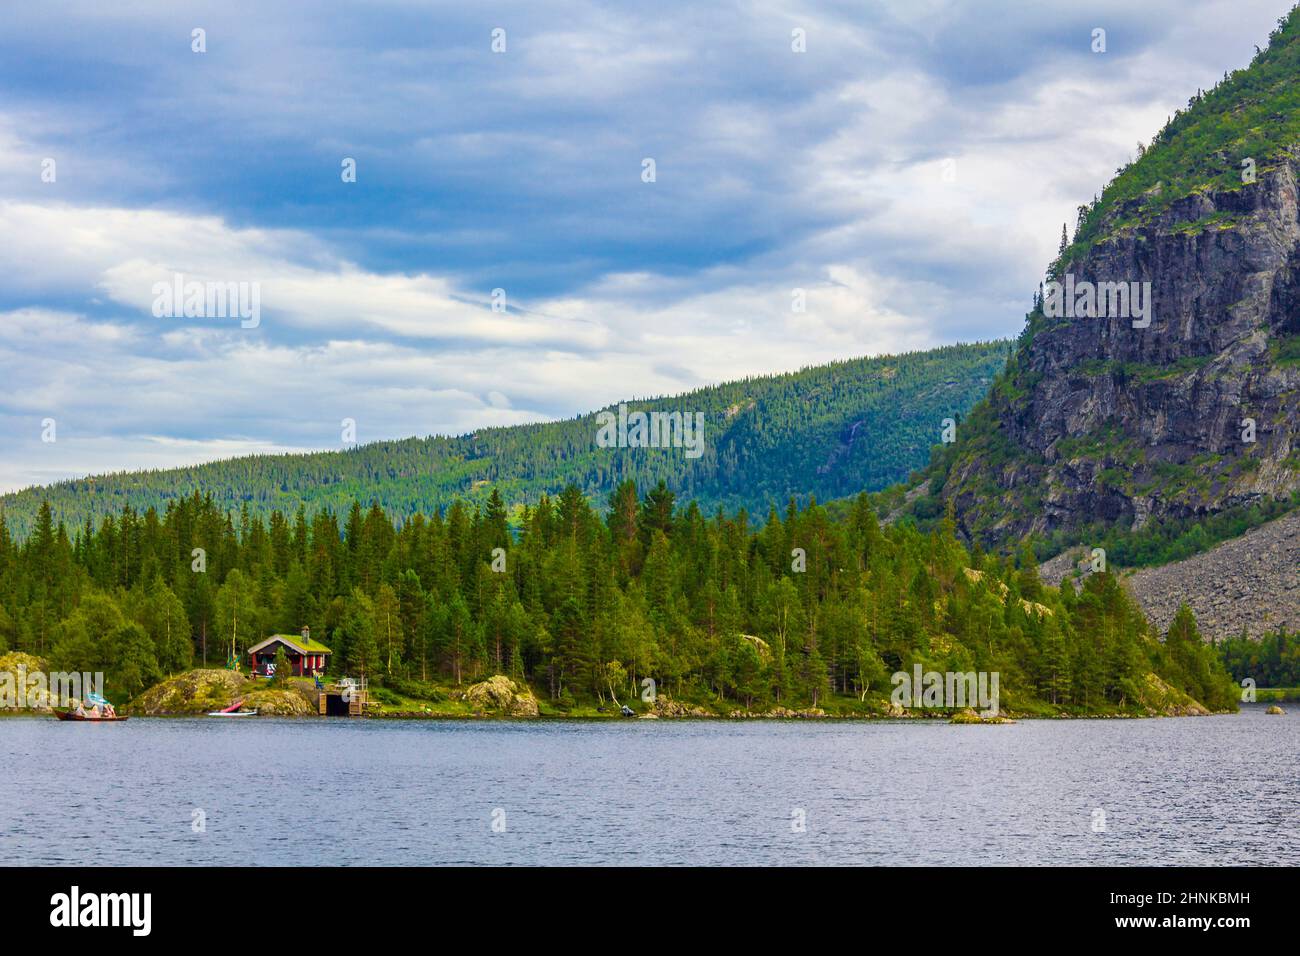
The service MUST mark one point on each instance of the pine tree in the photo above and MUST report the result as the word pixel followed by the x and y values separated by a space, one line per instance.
pixel 388 628
pixel 358 627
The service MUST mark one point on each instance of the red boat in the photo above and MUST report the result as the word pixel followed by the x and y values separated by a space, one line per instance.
pixel 69 715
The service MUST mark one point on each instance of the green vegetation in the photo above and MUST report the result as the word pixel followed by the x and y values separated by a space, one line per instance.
pixel 806 612
pixel 283 670
pixel 1285 351
pixel 1124 372
pixel 1163 540
pixel 1271 662
pixel 1272 694
pixel 829 431
pixel 1217 220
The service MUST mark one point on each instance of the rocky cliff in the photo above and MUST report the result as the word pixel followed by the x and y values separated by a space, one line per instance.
pixel 1107 417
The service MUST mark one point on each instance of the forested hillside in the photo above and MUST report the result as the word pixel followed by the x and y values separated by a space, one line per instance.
pixel 828 431
pixel 583 603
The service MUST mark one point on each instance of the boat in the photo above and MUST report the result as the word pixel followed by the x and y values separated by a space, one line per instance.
pixel 101 711
pixel 234 711
pixel 69 715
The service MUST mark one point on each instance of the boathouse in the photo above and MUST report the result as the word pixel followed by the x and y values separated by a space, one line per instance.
pixel 306 656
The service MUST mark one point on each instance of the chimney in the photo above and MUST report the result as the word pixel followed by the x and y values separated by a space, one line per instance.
pixel 306 633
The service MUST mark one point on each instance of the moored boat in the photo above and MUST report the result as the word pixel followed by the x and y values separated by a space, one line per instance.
pixel 70 715
pixel 234 710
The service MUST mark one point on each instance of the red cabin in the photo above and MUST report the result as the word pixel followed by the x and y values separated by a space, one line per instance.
pixel 306 656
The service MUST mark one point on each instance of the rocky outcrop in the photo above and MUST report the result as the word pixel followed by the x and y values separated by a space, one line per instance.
pixel 292 701
pixel 194 692
pixel 665 706
pixel 499 695
pixel 1160 699
pixel 16 668
pixel 1002 592
pixel 782 713
pixel 785 713
pixel 1102 422
pixel 969 716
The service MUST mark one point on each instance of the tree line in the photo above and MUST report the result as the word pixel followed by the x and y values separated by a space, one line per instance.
pixel 583 602
pixel 1271 661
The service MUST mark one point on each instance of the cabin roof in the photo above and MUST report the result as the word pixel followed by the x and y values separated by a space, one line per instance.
pixel 295 641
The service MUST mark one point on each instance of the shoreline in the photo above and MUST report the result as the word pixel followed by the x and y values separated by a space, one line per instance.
pixel 200 692
pixel 1001 720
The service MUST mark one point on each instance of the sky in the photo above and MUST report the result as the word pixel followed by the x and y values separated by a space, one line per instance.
pixel 503 254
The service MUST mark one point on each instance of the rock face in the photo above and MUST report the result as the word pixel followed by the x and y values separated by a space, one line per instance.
pixel 500 695
pixel 1105 423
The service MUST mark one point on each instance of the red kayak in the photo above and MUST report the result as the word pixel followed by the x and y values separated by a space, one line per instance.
pixel 69 715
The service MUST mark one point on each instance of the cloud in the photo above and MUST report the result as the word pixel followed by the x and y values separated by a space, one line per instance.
pixel 123 254
pixel 909 172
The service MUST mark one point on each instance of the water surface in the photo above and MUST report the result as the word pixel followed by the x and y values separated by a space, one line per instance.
pixel 1210 790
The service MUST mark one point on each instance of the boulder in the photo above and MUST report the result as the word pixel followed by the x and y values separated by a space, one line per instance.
pixel 786 712
pixel 500 695
pixel 969 716
pixel 665 706
pixel 291 701
pixel 1274 709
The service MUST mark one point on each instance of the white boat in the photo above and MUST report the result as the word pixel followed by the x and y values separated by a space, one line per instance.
pixel 234 710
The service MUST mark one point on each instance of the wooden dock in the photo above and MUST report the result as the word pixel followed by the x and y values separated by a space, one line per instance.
pixel 343 699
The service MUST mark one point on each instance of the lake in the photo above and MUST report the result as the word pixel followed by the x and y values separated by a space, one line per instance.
pixel 1210 790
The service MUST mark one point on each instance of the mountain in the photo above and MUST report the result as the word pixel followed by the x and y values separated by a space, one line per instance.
pixel 1173 416
pixel 828 431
